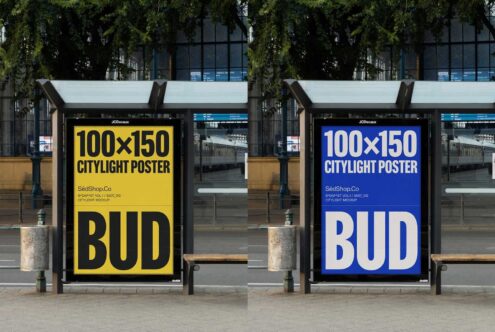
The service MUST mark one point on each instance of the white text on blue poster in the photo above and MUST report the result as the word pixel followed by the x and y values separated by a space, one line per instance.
pixel 371 200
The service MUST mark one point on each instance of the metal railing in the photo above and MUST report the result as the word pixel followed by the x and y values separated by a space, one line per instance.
pixel 16 208
pixel 214 209
pixel 220 208
pixel 270 207
pixel 11 217
pixel 9 267
pixel 479 200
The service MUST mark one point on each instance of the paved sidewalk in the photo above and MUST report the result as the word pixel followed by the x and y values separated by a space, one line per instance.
pixel 235 309
pixel 21 309
pixel 341 310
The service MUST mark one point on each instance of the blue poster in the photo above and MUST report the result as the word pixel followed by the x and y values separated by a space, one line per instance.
pixel 371 203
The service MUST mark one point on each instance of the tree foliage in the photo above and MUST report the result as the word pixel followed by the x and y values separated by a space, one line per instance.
pixel 83 39
pixel 331 39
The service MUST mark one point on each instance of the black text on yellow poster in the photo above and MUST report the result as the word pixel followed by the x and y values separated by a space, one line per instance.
pixel 123 194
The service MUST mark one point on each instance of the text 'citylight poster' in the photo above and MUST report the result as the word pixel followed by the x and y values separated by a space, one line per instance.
pixel 123 199
pixel 371 195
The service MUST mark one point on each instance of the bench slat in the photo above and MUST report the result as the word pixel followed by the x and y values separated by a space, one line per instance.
pixel 463 258
pixel 198 258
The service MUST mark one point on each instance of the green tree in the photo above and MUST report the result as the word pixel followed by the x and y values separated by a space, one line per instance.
pixel 323 39
pixel 83 39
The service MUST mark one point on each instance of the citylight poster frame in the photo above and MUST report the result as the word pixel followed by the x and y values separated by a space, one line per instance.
pixel 164 197
pixel 370 185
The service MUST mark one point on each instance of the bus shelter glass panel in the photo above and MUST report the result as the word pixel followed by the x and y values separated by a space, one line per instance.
pixel 220 149
pixel 468 192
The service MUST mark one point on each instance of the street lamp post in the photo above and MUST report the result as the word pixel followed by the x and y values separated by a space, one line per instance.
pixel 283 158
pixel 36 191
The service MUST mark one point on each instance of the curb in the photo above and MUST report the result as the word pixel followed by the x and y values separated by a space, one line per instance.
pixel 388 290
pixel 128 290
pixel 260 289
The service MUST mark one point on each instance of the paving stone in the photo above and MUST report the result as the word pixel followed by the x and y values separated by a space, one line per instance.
pixel 375 290
pixel 342 290
pixel 145 290
pixel 94 290
pixel 111 290
pixel 392 290
pixel 409 290
pixel 164 290
pixel 76 290
pixel 358 290
pixel 128 290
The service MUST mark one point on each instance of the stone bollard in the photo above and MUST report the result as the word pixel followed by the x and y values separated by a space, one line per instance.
pixel 34 250
pixel 282 250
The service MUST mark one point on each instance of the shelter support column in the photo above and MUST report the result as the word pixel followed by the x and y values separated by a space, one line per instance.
pixel 188 197
pixel 57 202
pixel 436 192
pixel 305 202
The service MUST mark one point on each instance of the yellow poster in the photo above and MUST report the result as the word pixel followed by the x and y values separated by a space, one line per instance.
pixel 123 196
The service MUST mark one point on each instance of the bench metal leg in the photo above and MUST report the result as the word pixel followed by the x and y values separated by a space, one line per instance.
pixel 436 285
pixel 190 279
pixel 187 279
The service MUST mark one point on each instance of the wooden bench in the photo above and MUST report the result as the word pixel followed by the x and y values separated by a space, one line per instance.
pixel 440 262
pixel 193 260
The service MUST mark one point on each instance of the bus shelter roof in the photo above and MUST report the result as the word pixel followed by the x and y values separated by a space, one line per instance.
pixel 394 96
pixel 454 96
pixel 146 96
pixel 347 95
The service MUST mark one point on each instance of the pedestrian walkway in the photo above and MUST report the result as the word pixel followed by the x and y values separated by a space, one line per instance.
pixel 338 309
pixel 123 309
pixel 95 308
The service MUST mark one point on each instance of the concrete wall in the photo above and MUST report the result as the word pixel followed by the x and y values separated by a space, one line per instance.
pixel 16 174
pixel 264 174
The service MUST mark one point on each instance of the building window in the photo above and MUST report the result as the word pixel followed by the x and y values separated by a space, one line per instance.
pixel 461 54
pixel 213 54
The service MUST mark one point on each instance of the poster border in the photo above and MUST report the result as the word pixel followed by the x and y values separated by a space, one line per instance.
pixel 177 236
pixel 425 197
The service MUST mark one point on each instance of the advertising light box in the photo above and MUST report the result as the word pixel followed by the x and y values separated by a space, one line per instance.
pixel 371 200
pixel 123 199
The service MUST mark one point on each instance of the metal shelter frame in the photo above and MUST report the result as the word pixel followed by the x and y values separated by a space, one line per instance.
pixel 413 97
pixel 156 104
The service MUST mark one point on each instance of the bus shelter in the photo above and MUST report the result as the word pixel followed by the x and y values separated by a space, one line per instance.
pixel 409 108
pixel 120 100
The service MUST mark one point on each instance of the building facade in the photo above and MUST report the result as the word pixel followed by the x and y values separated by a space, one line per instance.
pixel 459 54
pixel 213 54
